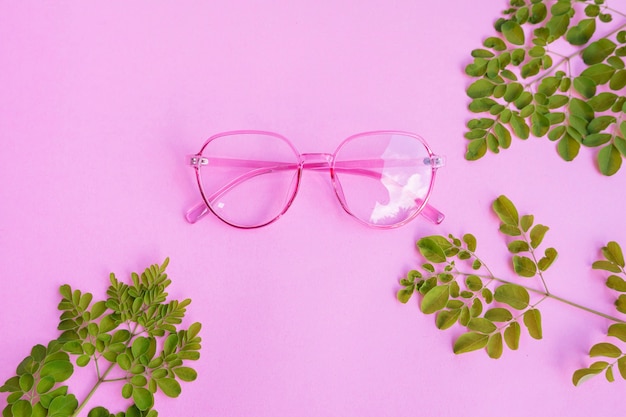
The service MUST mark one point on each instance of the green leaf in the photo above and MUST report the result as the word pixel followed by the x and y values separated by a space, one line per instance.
pixel 186 374
pixel 124 362
pixel 512 335
pixel 26 382
pixel 140 346
pixel 431 250
pixel 517 246
pixel 558 23
pixel 506 211
pixel 495 43
pixel 549 258
pixel 584 374
pixel 537 234
pixel 498 314
pixel 447 318
pixel 62 406
pixel 581 109
pixel 618 80
pixel 11 385
pixel 127 390
pixel 494 346
pixel 609 160
pixel 616 283
pixel 21 408
pixel 143 398
pixel 618 330
pixel 585 86
pixel 602 101
pixel 621 366
pixel 620 144
pixel 596 139
pixel 620 303
pixel 568 147
pixel 598 51
pixel 527 221
pixel 503 135
pixel 608 350
pixel 481 325
pixel 58 370
pixel 600 73
pixel 513 32
pixel 480 88
pixel 581 33
pixel 600 123
pixel 510 230
pixel 470 241
pixel 532 320
pixel 524 266
pixel 519 126
pixel 513 295
pixel 169 386
pixel 98 412
pixel 45 384
pixel 540 125
pixel 613 253
pixel 469 342
pixel 513 91
pixel 556 101
pixel 476 149
pixel 474 283
pixel 607 266
pixel 107 323
pixel 435 299
pixel 404 295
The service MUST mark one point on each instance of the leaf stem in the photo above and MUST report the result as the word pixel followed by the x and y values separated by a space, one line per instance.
pixel 93 390
pixel 102 378
pixel 555 297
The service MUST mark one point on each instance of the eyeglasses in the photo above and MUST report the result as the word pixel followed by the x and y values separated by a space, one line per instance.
pixel 249 178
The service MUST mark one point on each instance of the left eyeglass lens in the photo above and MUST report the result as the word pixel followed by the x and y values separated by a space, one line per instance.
pixel 250 178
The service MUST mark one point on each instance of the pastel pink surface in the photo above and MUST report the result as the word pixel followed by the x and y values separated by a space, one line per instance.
pixel 100 103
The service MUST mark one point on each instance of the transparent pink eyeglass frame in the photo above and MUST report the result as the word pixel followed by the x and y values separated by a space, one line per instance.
pixel 312 161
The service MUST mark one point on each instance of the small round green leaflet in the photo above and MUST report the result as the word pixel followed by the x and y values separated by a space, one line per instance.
pixel 435 299
pixel 514 295
pixel 135 326
pixel 524 82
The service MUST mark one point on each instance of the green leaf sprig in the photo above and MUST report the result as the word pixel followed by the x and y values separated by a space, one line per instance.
pixel 613 356
pixel 520 90
pixel 131 338
pixel 458 287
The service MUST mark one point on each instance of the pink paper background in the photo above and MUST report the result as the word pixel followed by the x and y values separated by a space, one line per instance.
pixel 101 101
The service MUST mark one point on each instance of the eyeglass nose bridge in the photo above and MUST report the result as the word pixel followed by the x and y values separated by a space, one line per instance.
pixel 316 161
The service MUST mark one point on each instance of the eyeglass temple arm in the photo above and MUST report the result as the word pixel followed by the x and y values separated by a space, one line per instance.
pixel 199 210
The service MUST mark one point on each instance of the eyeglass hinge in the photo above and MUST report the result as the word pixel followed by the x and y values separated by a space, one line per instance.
pixel 197 160
pixel 436 161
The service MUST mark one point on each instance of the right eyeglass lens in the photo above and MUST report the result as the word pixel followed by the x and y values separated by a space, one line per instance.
pixel 383 179
pixel 250 178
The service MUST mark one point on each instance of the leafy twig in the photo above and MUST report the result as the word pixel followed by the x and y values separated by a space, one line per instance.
pixel 493 309
pixel 133 332
pixel 575 109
